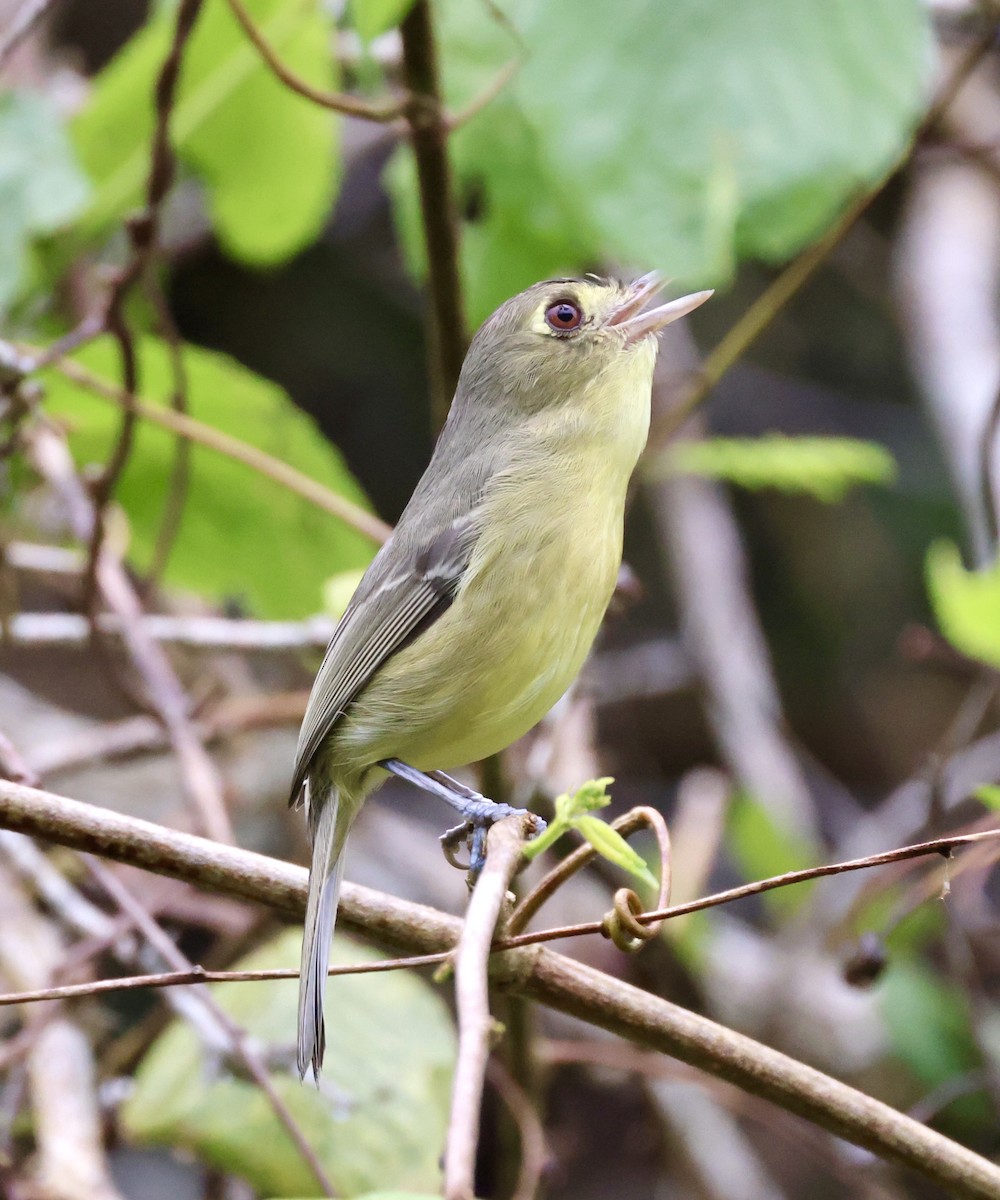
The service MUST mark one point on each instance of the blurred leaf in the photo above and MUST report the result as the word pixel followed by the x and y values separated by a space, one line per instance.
pixel 338 590
pixel 989 794
pixel 824 467
pixel 242 535
pixel 966 603
pixel 610 844
pixel 41 185
pixel 763 849
pixel 379 1118
pixel 927 1022
pixel 386 1196
pixel 267 156
pixel 373 17
pixel 687 158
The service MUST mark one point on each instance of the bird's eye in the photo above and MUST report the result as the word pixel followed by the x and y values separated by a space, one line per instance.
pixel 564 316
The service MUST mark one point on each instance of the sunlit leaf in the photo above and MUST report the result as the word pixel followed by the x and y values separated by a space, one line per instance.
pixel 966 603
pixel 989 794
pixel 928 1022
pixel 683 136
pixel 373 17
pixel 763 849
pixel 242 536
pixel 824 467
pixel 267 157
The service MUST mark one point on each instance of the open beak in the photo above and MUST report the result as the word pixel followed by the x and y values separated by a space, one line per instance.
pixel 637 324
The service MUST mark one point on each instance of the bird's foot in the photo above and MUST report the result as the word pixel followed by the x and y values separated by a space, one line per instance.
pixel 478 811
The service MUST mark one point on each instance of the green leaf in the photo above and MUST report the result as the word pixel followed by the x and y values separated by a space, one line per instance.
pixel 927 1021
pixel 241 535
pixel 650 135
pixel 373 17
pixel 568 808
pixel 762 849
pixel 338 590
pixel 41 186
pixel 267 157
pixel 824 467
pixel 588 797
pixel 989 794
pixel 966 603
pixel 379 1120
pixel 610 844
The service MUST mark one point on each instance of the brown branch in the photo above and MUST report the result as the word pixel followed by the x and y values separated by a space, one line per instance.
pixel 539 974
pixel 180 471
pixel 475 1026
pixel 143 230
pixel 447 339
pixel 350 106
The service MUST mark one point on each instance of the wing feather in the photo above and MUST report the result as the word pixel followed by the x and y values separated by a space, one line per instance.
pixel 402 593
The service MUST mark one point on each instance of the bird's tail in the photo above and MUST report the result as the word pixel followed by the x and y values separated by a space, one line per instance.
pixel 321 912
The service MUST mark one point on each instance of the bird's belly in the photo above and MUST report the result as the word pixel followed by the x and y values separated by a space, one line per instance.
pixel 494 664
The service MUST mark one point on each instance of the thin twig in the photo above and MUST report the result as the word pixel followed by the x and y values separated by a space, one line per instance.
pixel 180 471
pixel 143 734
pixel 550 883
pixel 13 766
pixel 201 779
pixel 196 974
pixel 232 447
pixel 351 106
pixel 195 632
pixel 167 950
pixel 24 20
pixel 429 136
pixel 529 1128
pixel 944 846
pixel 475 1026
pixel 143 231
pixel 539 974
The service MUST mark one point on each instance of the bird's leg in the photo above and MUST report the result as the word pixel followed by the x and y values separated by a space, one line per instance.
pixel 478 811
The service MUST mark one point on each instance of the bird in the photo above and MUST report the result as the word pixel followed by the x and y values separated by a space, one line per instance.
pixel 477 613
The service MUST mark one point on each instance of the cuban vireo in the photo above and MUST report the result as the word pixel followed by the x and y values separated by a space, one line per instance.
pixel 478 612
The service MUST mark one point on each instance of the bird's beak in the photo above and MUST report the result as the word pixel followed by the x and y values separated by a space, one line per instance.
pixel 636 324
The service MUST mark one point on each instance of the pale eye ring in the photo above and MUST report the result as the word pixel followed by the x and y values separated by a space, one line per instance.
pixel 564 316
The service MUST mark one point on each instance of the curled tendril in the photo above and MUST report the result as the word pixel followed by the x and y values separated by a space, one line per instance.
pixel 622 917
pixel 621 926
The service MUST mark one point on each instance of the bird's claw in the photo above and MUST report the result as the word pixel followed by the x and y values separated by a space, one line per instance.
pixel 481 813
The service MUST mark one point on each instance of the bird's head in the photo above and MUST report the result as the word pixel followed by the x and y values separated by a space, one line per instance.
pixel 557 338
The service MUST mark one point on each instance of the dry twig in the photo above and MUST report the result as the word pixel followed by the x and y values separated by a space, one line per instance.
pixel 539 974
pixel 475 1026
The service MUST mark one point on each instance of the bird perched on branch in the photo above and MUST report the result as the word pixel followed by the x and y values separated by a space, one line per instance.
pixel 478 612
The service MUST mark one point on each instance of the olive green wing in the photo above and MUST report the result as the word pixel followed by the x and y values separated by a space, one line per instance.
pixel 405 590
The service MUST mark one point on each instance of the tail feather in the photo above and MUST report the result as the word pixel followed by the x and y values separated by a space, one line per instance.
pixel 321 913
